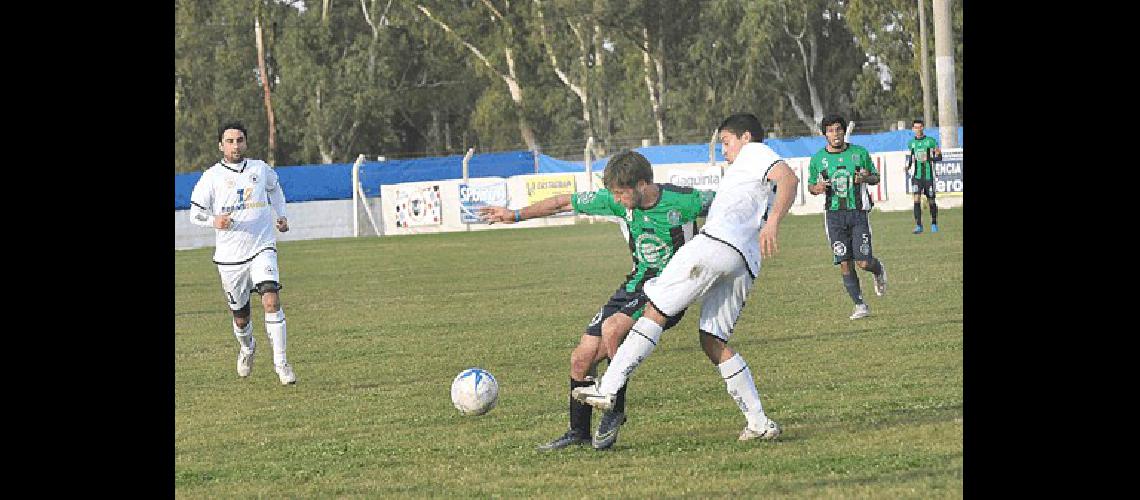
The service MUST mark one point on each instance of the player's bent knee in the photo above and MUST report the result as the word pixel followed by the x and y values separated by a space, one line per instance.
pixel 580 363
pixel 615 327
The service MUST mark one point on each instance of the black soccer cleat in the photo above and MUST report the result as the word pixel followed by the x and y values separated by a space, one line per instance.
pixel 572 436
pixel 608 430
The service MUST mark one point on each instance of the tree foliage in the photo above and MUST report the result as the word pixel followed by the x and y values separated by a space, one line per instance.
pixel 433 77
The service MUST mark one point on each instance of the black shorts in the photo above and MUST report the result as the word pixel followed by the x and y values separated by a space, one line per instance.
pixel 630 304
pixel 924 186
pixel 849 232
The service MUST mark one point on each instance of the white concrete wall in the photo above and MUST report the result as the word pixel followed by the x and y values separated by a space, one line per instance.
pixel 333 219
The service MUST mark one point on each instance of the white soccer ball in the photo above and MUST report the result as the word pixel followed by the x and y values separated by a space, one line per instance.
pixel 474 391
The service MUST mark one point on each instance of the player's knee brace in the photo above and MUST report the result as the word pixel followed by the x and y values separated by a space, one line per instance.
pixel 267 286
pixel 242 313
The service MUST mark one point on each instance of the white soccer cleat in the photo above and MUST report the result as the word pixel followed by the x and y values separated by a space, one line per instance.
pixel 861 311
pixel 881 280
pixel 769 431
pixel 245 361
pixel 592 397
pixel 285 373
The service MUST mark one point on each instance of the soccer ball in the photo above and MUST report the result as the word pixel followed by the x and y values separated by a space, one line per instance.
pixel 474 391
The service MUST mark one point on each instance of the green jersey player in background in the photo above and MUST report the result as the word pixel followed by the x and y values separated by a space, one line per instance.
pixel 924 151
pixel 842 171
pixel 656 220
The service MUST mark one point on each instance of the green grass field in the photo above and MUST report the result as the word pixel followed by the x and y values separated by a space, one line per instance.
pixel 378 327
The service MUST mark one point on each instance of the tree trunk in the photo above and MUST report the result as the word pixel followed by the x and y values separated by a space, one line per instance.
pixel 581 90
pixel 322 143
pixel 601 85
pixel 654 95
pixel 510 79
pixel 265 87
pixel 525 129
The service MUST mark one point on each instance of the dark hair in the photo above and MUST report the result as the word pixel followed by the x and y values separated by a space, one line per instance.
pixel 234 126
pixel 918 120
pixel 832 120
pixel 740 123
pixel 625 169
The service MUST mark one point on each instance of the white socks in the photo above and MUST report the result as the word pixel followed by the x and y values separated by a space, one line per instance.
pixel 640 341
pixel 738 381
pixel 275 327
pixel 245 337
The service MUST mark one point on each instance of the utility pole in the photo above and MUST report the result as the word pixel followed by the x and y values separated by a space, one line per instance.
pixel 944 69
pixel 925 73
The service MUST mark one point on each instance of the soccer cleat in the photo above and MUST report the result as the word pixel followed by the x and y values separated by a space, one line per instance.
pixel 917 230
pixel 572 436
pixel 861 311
pixel 934 228
pixel 881 280
pixel 285 373
pixel 592 397
pixel 245 360
pixel 769 431
pixel 608 430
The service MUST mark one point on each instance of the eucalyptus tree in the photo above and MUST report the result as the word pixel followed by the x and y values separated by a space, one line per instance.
pixel 492 33
pixel 808 53
pixel 216 77
pixel 888 31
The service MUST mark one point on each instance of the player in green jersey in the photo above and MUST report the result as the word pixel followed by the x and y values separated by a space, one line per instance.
pixel 656 220
pixel 842 171
pixel 924 151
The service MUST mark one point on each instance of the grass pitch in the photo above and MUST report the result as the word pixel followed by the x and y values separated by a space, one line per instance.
pixel 378 327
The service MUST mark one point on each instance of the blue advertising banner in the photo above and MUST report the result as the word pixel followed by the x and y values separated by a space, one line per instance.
pixel 480 193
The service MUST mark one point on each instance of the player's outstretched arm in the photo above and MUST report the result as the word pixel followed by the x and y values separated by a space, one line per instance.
pixel 550 206
pixel 786 184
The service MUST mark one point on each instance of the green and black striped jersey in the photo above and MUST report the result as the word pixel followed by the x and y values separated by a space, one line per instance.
pixel 654 234
pixel 922 154
pixel 843 193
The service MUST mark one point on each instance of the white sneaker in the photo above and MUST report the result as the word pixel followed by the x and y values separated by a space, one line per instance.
pixel 861 311
pixel 881 280
pixel 245 361
pixel 592 397
pixel 768 432
pixel 285 373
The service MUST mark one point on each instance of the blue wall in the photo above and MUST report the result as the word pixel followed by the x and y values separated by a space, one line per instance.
pixel 332 182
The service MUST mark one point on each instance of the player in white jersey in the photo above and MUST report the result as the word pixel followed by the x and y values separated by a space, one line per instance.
pixel 719 266
pixel 244 203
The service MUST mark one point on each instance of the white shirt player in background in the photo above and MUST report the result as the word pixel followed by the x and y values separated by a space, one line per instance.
pixel 242 200
pixel 719 266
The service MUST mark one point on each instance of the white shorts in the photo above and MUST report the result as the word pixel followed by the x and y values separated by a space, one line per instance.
pixel 707 269
pixel 238 280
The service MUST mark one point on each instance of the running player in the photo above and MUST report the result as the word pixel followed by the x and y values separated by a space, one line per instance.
pixel 242 200
pixel 842 171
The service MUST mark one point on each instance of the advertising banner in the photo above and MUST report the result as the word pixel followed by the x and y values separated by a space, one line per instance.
pixel 541 187
pixel 480 193
pixel 420 206
pixel 707 178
